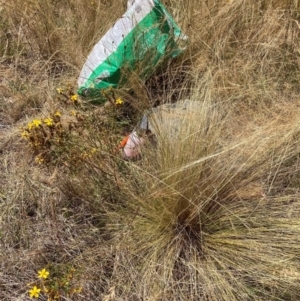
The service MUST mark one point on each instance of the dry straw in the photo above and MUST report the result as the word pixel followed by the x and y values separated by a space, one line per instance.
pixel 210 212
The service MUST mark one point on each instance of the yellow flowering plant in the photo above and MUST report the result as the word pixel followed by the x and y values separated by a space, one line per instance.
pixel 69 138
pixel 74 98
pixel 35 123
pixel 43 274
pixel 67 95
pixel 34 292
pixel 119 101
pixel 48 121
pixel 60 90
pixel 57 283
pixel 50 138
pixel 43 136
pixel 39 159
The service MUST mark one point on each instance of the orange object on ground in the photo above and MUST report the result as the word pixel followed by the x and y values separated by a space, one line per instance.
pixel 124 141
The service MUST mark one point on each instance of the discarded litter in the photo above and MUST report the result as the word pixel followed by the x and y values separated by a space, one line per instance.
pixel 140 41
pixel 167 120
pixel 131 145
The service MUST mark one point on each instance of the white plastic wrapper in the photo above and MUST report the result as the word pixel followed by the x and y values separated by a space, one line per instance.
pixel 141 40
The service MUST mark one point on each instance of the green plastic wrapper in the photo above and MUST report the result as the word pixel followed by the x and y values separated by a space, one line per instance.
pixel 140 41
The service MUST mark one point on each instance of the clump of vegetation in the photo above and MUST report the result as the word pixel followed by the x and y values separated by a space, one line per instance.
pixel 64 137
pixel 210 211
pixel 56 283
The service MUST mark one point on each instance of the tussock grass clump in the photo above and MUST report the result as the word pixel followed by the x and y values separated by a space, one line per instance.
pixel 199 219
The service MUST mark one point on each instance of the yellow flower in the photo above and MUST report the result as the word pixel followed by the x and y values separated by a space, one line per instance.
pixel 74 98
pixel 59 90
pixel 48 121
pixel 73 113
pixel 43 273
pixel 77 290
pixel 57 114
pixel 30 125
pixel 119 101
pixel 39 160
pixel 35 123
pixel 34 292
pixel 25 134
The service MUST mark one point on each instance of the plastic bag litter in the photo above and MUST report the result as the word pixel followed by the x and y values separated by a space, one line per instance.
pixel 141 40
pixel 132 147
pixel 166 120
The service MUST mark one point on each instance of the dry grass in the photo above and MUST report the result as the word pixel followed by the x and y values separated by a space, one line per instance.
pixel 210 213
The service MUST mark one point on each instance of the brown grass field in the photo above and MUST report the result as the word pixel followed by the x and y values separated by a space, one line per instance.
pixel 210 213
